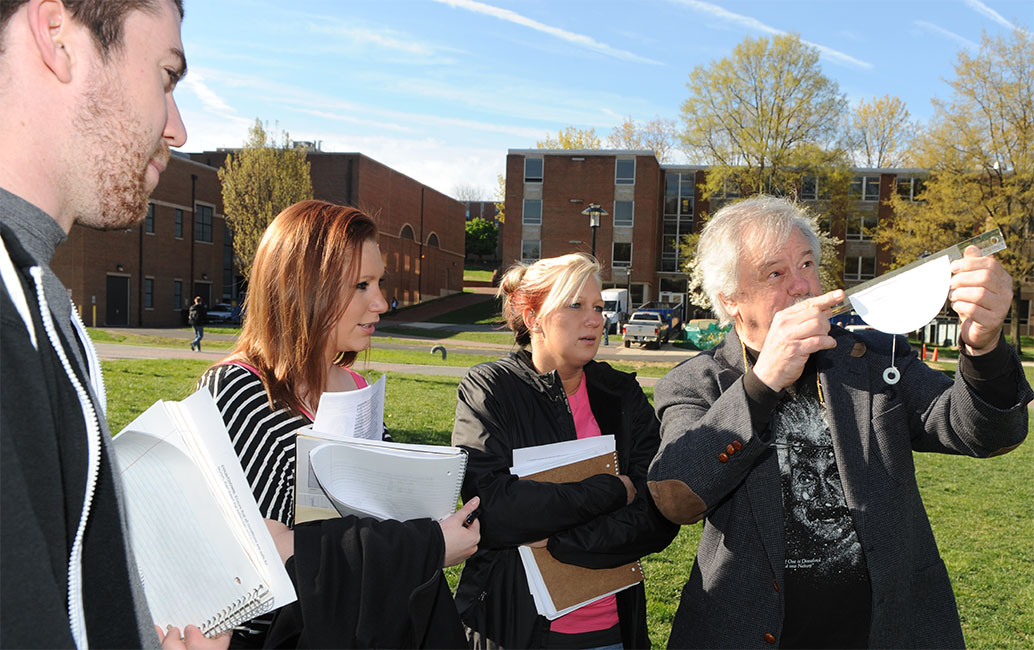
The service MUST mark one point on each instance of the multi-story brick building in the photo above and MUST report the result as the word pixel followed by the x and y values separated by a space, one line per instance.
pixel 148 274
pixel 652 206
pixel 422 232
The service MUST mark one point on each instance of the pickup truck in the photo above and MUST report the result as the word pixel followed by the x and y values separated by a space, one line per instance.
pixel 645 327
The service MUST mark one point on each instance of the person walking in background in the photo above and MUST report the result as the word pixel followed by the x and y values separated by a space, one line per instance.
pixel 196 316
pixel 394 304
pixel 549 393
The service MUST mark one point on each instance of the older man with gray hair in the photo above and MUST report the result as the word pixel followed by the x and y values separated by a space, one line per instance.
pixel 789 443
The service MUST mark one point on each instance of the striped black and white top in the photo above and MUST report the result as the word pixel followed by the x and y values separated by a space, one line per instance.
pixel 263 438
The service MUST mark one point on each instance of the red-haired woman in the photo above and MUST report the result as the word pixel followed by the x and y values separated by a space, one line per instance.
pixel 549 393
pixel 313 302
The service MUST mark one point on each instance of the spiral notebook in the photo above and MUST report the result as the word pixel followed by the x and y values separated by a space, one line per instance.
pixel 558 588
pixel 201 545
pixel 373 478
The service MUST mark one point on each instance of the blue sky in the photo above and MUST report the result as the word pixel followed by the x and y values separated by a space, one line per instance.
pixel 440 89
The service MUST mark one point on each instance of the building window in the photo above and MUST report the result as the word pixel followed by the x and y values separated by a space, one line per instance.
pixel 433 240
pixel 623 213
pixel 532 212
pixel 861 226
pixel 407 233
pixel 624 171
pixel 148 293
pixel 678 217
pixel 810 188
pixel 179 224
pixel 177 294
pixel 909 189
pixel 531 251
pixel 532 170
pixel 866 188
pixel 203 223
pixel 862 267
pixel 149 220
pixel 621 256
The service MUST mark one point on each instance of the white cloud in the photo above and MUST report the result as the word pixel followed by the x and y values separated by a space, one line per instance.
pixel 350 37
pixel 984 10
pixel 936 29
pixel 756 25
pixel 571 37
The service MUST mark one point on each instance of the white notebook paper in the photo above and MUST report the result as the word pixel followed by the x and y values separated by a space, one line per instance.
pixel 200 542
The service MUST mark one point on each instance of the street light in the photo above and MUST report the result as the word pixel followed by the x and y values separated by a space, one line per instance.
pixel 594 212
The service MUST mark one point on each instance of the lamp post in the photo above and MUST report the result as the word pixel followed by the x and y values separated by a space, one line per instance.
pixel 594 212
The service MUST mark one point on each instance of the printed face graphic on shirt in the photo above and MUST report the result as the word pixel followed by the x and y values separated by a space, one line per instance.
pixel 820 534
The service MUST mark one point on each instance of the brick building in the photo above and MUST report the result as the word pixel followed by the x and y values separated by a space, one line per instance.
pixel 652 206
pixel 147 275
pixel 422 236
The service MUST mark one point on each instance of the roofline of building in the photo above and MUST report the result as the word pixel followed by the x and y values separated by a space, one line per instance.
pixel 185 157
pixel 582 152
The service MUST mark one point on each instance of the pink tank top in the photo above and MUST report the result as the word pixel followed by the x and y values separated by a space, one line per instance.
pixel 602 614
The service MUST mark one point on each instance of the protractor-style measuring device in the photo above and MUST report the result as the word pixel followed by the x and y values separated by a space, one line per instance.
pixel 989 243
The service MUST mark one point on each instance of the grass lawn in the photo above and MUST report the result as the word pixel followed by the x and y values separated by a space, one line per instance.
pixel 132 338
pixel 500 338
pixel 980 509
pixel 477 275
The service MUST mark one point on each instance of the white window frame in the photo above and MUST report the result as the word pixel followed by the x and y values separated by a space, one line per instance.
pixel 529 260
pixel 856 274
pixel 622 264
pixel 815 179
pixel 623 223
pixel 532 180
pixel 524 213
pixel 622 180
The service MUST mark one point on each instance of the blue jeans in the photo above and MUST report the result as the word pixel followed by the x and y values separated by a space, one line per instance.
pixel 199 333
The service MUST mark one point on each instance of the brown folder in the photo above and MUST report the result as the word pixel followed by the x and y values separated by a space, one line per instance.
pixel 568 584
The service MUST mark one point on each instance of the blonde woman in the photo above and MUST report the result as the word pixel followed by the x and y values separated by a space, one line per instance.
pixel 552 390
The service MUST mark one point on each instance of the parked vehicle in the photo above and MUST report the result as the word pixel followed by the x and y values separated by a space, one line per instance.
pixel 615 308
pixel 671 313
pixel 646 328
pixel 224 312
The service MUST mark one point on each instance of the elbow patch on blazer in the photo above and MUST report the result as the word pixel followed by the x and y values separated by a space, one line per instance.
pixel 678 503
pixel 1002 451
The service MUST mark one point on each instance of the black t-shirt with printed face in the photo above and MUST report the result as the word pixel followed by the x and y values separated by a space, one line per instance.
pixel 826 586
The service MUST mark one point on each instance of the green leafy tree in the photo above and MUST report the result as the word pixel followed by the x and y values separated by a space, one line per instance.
pixel 658 135
pixel 482 236
pixel 763 117
pixel 979 148
pixel 259 181
pixel 571 138
pixel 500 198
pixel 881 132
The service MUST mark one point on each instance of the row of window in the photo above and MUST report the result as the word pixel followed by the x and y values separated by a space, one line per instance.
pixel 865 188
pixel 624 171
pixel 177 294
pixel 202 222
pixel 620 254
pixel 624 213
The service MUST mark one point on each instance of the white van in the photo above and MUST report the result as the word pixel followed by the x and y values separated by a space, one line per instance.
pixel 615 308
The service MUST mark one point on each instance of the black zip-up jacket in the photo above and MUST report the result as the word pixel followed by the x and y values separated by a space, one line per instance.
pixel 505 405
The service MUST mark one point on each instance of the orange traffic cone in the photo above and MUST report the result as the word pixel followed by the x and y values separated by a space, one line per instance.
pixel 935 354
pixel 924 351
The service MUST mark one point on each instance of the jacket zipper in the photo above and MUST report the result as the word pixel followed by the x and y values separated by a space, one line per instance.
pixel 76 610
